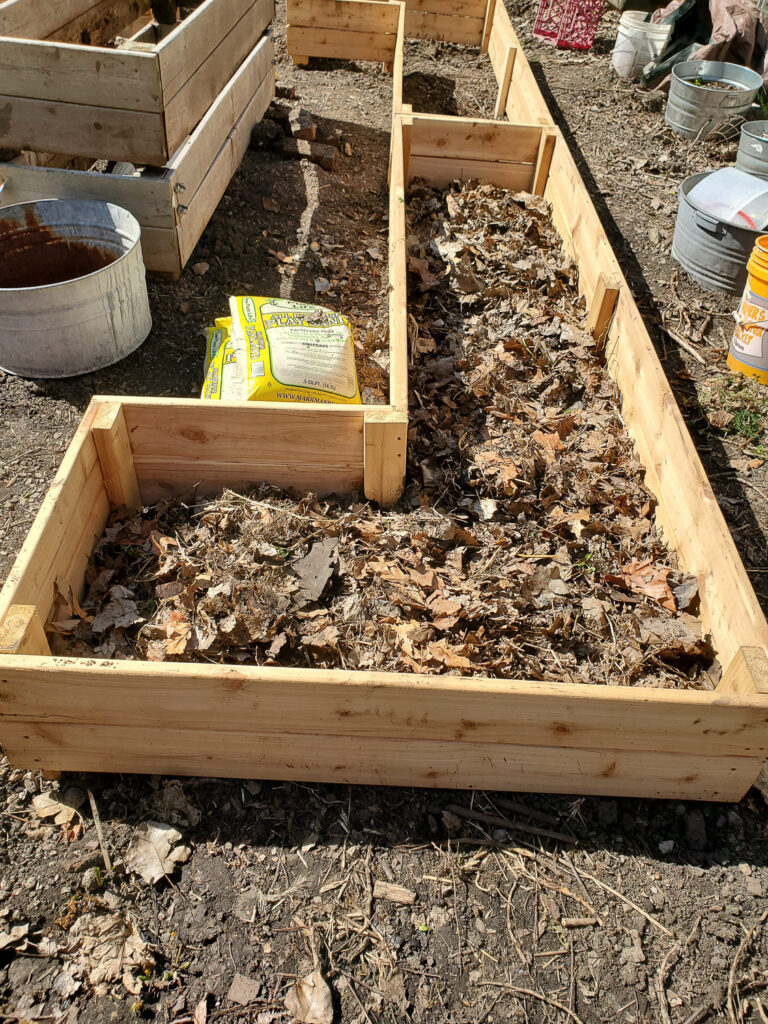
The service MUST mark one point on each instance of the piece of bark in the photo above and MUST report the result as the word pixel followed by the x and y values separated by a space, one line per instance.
pixel 393 893
pixel 285 92
pixel 301 149
pixel 301 124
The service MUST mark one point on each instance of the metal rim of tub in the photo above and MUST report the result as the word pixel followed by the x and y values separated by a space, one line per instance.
pixel 694 111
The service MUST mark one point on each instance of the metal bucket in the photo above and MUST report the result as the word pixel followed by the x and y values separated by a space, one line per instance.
pixel 753 148
pixel 694 111
pixel 73 291
pixel 713 253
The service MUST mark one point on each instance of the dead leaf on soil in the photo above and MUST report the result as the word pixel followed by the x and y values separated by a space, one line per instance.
pixel 153 852
pixel 119 612
pixel 310 1000
pixel 63 810
pixel 108 947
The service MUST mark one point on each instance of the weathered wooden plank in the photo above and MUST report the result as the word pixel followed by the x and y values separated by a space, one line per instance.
pixel 201 205
pixel 36 19
pixel 160 249
pixel 428 25
pixel 340 44
pixel 351 15
pixel 66 73
pixel 76 129
pixel 192 161
pixel 441 171
pixel 194 39
pixel 475 139
pixel 376 760
pixel 148 198
pixel 205 84
pixel 101 22
pixel 487 712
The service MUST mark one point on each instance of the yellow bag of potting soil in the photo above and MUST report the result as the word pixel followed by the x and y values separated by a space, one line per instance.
pixel 277 350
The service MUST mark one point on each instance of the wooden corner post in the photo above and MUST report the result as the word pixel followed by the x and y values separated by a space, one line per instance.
pixel 22 632
pixel 113 447
pixel 385 439
pixel 543 161
pixel 747 672
pixel 602 308
pixel 505 82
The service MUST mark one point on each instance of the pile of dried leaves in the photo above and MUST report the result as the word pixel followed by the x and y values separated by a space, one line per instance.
pixel 525 545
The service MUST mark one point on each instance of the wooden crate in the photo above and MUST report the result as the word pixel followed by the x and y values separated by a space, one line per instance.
pixel 365 29
pixel 138 102
pixel 172 204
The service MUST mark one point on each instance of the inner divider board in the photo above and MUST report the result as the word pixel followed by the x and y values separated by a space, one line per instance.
pixel 121 104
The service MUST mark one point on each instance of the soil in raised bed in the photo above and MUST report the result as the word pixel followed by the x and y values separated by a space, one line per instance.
pixel 525 544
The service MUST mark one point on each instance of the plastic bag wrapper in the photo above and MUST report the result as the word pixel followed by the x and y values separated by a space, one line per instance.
pixel 278 350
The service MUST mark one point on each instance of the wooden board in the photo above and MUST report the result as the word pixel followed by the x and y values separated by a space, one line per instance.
pixel 205 84
pixel 376 760
pixel 37 19
pixel 341 45
pixel 192 161
pixel 148 198
pixel 428 25
pixel 201 205
pixel 475 139
pixel 441 171
pixel 175 448
pixel 75 74
pixel 78 129
pixel 101 22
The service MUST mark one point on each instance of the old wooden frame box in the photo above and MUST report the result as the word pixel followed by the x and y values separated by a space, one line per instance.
pixel 138 102
pixel 173 204
pixel 361 727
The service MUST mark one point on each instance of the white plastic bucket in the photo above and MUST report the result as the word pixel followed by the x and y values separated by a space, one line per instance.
pixel 637 42
pixel 73 290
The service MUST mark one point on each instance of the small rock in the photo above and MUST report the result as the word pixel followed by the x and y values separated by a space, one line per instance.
pixel 201 268
pixel 301 124
pixel 667 845
pixel 91 880
pixel 754 886
pixel 243 990
pixel 184 307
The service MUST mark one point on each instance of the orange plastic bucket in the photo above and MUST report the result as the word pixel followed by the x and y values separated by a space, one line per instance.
pixel 748 353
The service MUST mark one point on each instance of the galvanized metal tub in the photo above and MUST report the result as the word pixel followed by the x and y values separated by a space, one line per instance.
pixel 753 148
pixel 713 253
pixel 73 292
pixel 695 111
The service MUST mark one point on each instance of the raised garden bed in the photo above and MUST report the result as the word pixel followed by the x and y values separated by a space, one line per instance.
pixel 381 727
pixel 134 100
pixel 173 203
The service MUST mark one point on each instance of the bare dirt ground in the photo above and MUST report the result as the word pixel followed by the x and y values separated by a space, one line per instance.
pixel 414 905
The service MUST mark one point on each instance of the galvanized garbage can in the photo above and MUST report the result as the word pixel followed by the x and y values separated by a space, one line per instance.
pixel 711 251
pixel 73 291
pixel 752 156
pixel 696 111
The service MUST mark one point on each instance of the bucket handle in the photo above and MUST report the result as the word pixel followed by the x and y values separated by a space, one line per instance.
pixel 710 224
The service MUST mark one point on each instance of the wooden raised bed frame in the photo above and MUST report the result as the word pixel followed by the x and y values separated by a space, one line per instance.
pixel 172 204
pixel 137 103
pixel 367 727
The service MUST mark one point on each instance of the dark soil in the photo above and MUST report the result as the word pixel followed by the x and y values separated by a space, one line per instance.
pixel 505 925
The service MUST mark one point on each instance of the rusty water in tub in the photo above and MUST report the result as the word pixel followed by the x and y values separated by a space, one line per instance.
pixel 36 255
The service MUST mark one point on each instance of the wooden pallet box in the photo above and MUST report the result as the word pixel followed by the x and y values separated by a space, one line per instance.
pixel 172 204
pixel 137 101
